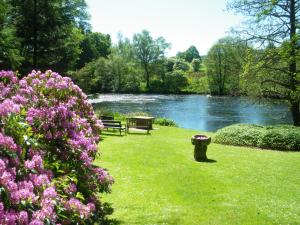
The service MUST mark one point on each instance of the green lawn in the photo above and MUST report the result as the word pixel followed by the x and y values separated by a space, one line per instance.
pixel 158 182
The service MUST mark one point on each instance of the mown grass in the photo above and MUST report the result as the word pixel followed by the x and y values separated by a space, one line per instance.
pixel 158 182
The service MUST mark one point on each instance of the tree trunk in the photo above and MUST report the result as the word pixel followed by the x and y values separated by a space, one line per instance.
pixel 293 64
pixel 34 56
pixel 147 77
pixel 220 78
pixel 119 77
pixel 295 113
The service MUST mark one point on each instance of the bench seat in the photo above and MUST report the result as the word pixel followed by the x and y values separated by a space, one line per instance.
pixel 114 124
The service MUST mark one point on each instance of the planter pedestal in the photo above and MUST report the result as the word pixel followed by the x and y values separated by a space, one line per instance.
pixel 201 142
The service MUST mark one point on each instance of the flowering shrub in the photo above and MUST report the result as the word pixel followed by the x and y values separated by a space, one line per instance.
pixel 48 141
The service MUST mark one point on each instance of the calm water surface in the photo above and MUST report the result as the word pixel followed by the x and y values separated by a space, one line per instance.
pixel 198 112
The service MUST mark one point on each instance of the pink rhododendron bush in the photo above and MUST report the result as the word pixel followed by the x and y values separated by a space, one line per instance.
pixel 48 141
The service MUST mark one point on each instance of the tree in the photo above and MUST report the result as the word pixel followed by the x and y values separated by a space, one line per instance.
pixel 148 50
pixel 49 32
pixel 275 22
pixel 181 65
pixel 126 70
pixel 93 46
pixel 175 81
pixel 190 54
pixel 224 65
pixel 196 64
pixel 9 44
pixel 95 77
pixel 170 62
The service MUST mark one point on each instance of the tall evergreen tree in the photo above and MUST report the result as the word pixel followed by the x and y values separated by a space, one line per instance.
pixel 10 57
pixel 49 32
pixel 94 45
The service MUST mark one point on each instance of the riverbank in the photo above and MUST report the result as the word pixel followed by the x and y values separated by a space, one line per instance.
pixel 158 181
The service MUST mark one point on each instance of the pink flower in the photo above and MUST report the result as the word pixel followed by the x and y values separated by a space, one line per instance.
pixel 49 193
pixel 23 218
pixel 7 107
pixel 36 222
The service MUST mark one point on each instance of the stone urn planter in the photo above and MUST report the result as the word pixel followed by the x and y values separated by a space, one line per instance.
pixel 201 142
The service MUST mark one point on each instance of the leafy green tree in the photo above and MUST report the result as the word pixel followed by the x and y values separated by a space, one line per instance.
pixel 190 54
pixel 276 22
pixel 175 81
pixel 118 72
pixel 181 65
pixel 126 69
pixel 224 65
pixel 10 57
pixel 93 46
pixel 148 51
pixel 95 77
pixel 181 55
pixel 196 64
pixel 49 32
pixel 126 74
pixel 170 62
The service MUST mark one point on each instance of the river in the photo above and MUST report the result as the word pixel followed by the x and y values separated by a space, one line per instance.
pixel 198 112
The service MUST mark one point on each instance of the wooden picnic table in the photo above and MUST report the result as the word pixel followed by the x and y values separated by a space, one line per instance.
pixel 140 122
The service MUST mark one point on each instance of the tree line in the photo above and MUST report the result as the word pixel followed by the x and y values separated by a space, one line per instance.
pixel 260 58
pixel 38 34
pixel 140 65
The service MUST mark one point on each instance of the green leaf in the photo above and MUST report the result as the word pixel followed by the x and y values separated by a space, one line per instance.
pixel 80 196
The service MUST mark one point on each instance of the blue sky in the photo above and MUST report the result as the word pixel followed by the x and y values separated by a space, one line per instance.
pixel 181 22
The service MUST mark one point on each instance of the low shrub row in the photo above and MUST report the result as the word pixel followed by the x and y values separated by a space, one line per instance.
pixel 279 137
pixel 165 122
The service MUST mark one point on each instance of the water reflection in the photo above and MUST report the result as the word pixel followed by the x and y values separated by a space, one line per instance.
pixel 197 111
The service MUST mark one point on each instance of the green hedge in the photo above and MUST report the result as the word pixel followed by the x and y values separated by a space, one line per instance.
pixel 280 137
pixel 165 122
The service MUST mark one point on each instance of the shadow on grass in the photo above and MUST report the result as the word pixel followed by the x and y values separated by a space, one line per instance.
pixel 137 133
pixel 113 134
pixel 208 161
pixel 105 136
pixel 108 210
pixel 112 222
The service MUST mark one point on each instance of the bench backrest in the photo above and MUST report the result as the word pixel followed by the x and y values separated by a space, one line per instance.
pixel 111 123
pixel 106 118
pixel 139 123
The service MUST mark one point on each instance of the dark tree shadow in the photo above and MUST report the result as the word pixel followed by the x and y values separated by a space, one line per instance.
pixel 108 210
pixel 138 133
pixel 209 161
pixel 112 222
pixel 104 136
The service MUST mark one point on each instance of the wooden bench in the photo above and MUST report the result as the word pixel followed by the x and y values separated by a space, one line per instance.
pixel 143 123
pixel 106 117
pixel 114 124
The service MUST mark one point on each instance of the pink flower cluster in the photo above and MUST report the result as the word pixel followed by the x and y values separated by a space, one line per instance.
pixel 8 81
pixel 29 190
pixel 47 162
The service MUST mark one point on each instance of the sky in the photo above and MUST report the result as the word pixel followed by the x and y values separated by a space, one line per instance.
pixel 181 22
